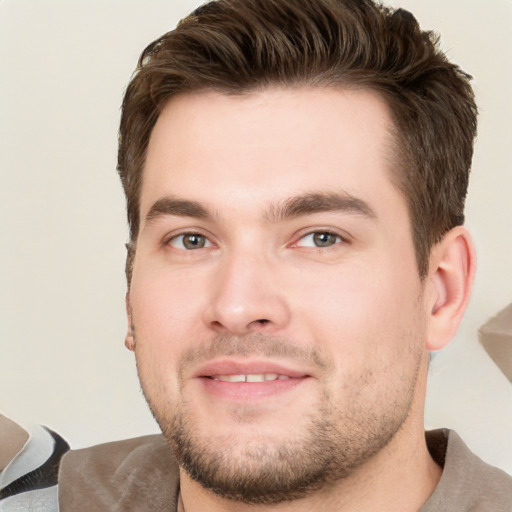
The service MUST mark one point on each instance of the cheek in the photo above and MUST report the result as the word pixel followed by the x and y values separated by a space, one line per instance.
pixel 361 312
pixel 166 320
pixel 165 303
pixel 158 314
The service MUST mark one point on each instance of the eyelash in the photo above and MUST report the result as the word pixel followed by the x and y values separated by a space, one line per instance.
pixel 208 243
pixel 339 239
pixel 188 234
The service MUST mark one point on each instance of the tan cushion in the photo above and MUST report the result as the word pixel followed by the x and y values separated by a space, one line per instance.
pixel 496 337
pixel 13 438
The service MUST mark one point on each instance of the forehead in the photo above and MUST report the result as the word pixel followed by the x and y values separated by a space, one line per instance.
pixel 264 146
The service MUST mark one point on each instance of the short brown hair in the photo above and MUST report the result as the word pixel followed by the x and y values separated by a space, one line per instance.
pixel 236 46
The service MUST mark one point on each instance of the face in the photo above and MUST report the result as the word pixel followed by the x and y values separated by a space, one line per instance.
pixel 277 309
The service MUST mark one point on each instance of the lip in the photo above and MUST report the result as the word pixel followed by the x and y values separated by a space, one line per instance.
pixel 248 392
pixel 251 367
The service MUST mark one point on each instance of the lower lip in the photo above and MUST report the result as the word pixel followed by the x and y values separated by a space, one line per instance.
pixel 250 391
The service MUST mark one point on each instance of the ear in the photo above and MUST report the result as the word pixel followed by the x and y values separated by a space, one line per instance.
pixel 450 281
pixel 129 340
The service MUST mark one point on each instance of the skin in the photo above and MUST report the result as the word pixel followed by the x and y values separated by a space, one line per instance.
pixel 350 319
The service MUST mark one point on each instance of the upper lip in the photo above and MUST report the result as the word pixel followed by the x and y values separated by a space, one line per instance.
pixel 247 367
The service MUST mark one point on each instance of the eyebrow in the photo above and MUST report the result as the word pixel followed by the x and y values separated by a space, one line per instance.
pixel 293 207
pixel 318 202
pixel 181 207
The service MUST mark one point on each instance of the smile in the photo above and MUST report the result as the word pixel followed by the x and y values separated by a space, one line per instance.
pixel 255 377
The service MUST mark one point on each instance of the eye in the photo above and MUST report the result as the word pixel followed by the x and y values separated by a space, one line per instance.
pixel 189 241
pixel 319 239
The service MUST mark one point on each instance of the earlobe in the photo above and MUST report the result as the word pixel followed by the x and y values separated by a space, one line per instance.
pixel 451 275
pixel 129 340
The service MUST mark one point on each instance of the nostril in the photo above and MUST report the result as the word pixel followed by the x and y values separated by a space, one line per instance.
pixel 263 321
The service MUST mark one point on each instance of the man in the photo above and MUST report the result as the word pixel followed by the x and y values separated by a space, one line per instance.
pixel 295 175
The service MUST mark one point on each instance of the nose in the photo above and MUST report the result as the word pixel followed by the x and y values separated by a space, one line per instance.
pixel 247 296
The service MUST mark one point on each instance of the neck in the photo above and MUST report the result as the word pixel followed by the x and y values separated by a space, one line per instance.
pixel 393 481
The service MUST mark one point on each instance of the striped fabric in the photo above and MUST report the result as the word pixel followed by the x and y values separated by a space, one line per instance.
pixel 29 482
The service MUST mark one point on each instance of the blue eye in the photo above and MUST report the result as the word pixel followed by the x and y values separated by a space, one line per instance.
pixel 319 239
pixel 190 241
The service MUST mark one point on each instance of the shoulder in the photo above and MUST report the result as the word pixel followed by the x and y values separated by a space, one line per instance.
pixel 135 474
pixel 467 483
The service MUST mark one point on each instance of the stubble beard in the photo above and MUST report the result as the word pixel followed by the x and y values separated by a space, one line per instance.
pixel 333 445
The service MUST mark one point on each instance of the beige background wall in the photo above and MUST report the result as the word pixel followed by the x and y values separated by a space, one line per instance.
pixel 63 68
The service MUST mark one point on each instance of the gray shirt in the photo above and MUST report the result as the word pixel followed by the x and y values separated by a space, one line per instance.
pixel 142 475
pixel 467 484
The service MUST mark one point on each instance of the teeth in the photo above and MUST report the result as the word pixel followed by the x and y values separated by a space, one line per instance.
pixel 259 377
pixel 230 378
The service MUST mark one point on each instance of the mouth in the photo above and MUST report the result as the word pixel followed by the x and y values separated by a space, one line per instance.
pixel 249 381
pixel 248 370
pixel 254 377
